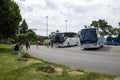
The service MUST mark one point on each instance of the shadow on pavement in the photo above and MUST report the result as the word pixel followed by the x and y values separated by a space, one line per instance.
pixel 102 49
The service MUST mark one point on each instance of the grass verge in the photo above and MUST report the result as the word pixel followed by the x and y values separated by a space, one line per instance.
pixel 13 69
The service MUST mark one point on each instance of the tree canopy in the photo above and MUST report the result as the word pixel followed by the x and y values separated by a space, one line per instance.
pixel 103 26
pixel 23 27
pixel 10 18
pixel 30 35
pixel 119 24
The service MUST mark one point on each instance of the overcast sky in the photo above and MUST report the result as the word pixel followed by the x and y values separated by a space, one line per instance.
pixel 77 12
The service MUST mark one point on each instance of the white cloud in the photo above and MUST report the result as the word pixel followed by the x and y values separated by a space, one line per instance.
pixel 77 12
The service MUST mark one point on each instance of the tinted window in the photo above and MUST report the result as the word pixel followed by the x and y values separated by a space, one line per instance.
pixel 70 35
pixel 88 35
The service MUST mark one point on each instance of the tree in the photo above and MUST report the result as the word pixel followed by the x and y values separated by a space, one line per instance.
pixel 95 24
pixel 103 26
pixel 31 36
pixel 57 31
pixel 85 26
pixel 10 18
pixel 52 32
pixel 23 27
pixel 22 37
pixel 119 31
pixel 30 30
pixel 119 24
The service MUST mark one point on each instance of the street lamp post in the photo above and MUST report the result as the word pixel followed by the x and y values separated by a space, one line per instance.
pixel 66 24
pixel 46 25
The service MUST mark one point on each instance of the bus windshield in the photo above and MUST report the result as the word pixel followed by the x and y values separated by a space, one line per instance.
pixel 88 35
pixel 58 38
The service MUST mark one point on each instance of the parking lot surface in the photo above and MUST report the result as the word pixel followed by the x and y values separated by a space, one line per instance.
pixel 104 60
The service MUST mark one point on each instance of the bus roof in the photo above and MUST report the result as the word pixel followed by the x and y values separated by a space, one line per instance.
pixel 68 32
pixel 89 29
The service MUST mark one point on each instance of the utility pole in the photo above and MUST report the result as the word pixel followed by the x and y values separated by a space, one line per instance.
pixel 66 24
pixel 46 25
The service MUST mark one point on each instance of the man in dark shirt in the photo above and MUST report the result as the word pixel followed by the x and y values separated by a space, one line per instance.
pixel 16 48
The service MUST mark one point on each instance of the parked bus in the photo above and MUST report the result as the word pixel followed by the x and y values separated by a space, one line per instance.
pixel 90 38
pixel 65 39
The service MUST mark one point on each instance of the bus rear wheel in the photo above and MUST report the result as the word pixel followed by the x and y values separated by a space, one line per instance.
pixel 76 43
pixel 68 44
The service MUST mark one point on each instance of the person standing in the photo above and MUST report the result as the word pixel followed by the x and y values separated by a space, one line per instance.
pixel 22 47
pixel 16 49
pixel 37 44
pixel 51 43
pixel 27 45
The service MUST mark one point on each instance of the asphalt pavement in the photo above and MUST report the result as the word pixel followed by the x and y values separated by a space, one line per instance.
pixel 105 60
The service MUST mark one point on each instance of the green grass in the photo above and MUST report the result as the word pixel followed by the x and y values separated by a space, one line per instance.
pixel 12 69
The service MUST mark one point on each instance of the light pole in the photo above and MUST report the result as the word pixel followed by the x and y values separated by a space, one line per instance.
pixel 46 25
pixel 66 24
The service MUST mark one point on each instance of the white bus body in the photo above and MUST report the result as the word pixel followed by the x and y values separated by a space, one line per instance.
pixel 66 39
pixel 90 38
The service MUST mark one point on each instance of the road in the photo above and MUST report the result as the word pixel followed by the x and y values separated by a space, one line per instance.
pixel 105 60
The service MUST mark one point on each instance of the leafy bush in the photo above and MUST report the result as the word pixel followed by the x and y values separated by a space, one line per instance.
pixel 26 55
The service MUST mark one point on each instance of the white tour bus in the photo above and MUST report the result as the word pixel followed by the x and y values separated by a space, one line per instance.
pixel 90 38
pixel 65 39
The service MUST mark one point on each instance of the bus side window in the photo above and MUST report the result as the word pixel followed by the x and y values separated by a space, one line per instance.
pixel 76 36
